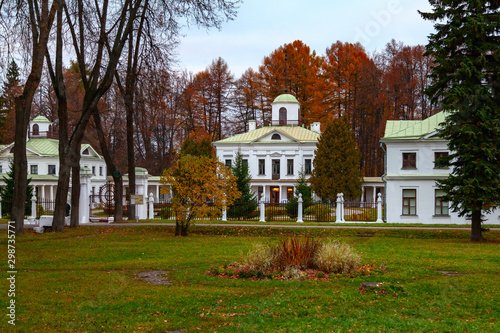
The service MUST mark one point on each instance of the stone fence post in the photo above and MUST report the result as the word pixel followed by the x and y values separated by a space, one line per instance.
pixel 262 209
pixel 379 208
pixel 338 210
pixel 151 213
pixel 33 206
pixel 299 209
pixel 342 206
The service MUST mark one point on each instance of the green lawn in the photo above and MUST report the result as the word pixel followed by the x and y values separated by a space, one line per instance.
pixel 83 280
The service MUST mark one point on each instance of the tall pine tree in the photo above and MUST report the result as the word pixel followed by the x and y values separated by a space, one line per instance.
pixel 466 48
pixel 10 90
pixel 337 162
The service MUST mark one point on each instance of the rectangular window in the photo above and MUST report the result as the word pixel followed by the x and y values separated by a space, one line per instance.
pixel 307 167
pixel 289 167
pixel 276 169
pixel 409 202
pixel 100 171
pixel 437 155
pixel 409 160
pixel 52 169
pixel 93 170
pixel 1 169
pixel 441 207
pixel 34 169
pixel 228 163
pixel 262 167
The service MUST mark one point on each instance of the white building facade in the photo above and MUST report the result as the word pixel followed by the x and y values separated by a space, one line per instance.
pixel 275 154
pixel 412 195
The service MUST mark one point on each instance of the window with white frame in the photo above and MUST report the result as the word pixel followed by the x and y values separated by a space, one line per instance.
pixel 409 202
pixel 262 167
pixel 52 169
pixel 441 206
pixel 34 169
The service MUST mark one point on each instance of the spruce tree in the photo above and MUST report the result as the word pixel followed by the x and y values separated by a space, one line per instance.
pixel 246 205
pixel 7 193
pixel 466 48
pixel 337 162
pixel 9 91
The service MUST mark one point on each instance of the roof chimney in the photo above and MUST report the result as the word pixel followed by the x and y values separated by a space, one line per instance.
pixel 316 127
pixel 252 125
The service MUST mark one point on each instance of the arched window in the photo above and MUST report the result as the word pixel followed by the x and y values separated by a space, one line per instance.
pixel 283 117
pixel 276 136
pixel 36 129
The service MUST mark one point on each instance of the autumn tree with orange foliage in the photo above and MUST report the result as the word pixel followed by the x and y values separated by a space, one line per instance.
pixel 353 86
pixel 303 79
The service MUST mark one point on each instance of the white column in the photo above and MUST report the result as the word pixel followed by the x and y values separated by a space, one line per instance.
pixel 42 192
pixel 151 206
pixel 84 206
pixel 262 209
pixel 299 212
pixel 338 210
pixel 141 177
pixel 157 194
pixel 264 194
pixel 224 213
pixel 51 193
pixel 374 194
pixel 379 208
pixel 33 206
pixel 342 206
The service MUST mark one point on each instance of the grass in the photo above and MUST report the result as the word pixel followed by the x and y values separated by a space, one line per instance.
pixel 83 280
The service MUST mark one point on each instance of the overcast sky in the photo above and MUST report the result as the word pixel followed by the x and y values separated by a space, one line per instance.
pixel 263 25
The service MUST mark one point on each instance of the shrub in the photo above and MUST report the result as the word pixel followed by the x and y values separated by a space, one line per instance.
pixel 39 211
pixel 260 257
pixel 297 251
pixel 336 257
pixel 322 212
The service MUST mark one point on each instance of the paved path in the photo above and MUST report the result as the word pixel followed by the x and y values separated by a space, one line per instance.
pixel 266 225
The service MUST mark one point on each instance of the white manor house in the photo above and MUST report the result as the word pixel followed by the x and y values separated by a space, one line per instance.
pixel 275 154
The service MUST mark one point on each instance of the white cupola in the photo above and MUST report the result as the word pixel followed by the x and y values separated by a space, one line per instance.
pixel 41 127
pixel 285 111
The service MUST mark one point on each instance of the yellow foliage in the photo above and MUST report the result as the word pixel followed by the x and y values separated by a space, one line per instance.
pixel 201 187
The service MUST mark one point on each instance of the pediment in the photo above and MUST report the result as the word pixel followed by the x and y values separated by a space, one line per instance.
pixel 274 136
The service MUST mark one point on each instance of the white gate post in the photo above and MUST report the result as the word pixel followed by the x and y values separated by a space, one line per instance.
pixel 299 212
pixel 379 208
pixel 33 206
pixel 224 213
pixel 262 209
pixel 342 206
pixel 338 210
pixel 84 205
pixel 151 214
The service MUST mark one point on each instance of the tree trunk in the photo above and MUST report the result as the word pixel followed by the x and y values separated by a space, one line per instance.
pixel 118 211
pixel 130 154
pixel 43 24
pixel 62 193
pixel 476 232
pixel 75 195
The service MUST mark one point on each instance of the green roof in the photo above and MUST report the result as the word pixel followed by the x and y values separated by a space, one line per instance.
pixel 297 133
pixel 285 98
pixel 44 147
pixel 413 129
pixel 41 119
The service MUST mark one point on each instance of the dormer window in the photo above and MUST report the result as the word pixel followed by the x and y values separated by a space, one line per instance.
pixel 276 136
pixel 86 152
pixel 282 121
pixel 36 129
